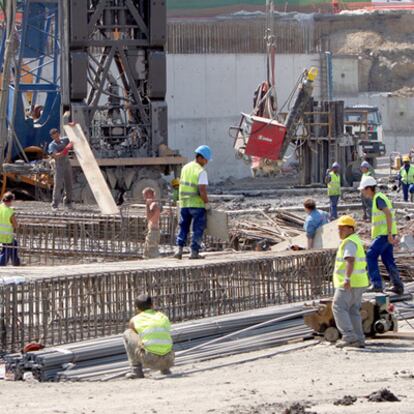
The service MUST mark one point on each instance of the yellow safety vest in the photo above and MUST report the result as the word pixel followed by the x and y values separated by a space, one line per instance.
pixel 188 193
pixel 368 174
pixel 379 220
pixel 6 228
pixel 359 276
pixel 334 186
pixel 407 177
pixel 154 329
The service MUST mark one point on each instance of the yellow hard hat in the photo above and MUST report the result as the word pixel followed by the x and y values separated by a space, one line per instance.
pixel 406 158
pixel 347 221
pixel 175 182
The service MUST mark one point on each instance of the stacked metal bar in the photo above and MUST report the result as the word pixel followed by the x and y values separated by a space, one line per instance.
pixel 98 359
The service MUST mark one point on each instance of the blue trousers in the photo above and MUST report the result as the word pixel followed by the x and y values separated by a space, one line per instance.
pixel 199 219
pixel 381 247
pixel 9 252
pixel 407 188
pixel 333 212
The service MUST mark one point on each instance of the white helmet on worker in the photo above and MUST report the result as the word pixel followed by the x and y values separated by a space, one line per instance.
pixel 365 164
pixel 336 165
pixel 367 181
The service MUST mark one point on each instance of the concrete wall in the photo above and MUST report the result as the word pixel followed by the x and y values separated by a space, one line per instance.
pixel 345 75
pixel 206 94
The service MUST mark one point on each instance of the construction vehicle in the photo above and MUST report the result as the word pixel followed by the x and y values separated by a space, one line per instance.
pixel 101 64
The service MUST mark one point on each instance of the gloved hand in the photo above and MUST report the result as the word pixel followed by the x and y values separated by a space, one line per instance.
pixel 69 146
pixel 207 207
pixel 66 150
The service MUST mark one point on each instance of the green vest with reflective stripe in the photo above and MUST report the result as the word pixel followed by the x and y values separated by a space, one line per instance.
pixel 334 186
pixel 379 220
pixel 188 194
pixel 154 329
pixel 6 228
pixel 368 174
pixel 407 177
pixel 359 276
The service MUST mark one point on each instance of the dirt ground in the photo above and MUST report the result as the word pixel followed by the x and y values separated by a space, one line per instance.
pixel 315 375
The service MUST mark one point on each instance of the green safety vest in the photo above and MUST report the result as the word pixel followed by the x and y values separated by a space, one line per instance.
pixel 189 195
pixel 379 220
pixel 359 276
pixel 6 228
pixel 407 177
pixel 154 329
pixel 334 186
pixel 368 174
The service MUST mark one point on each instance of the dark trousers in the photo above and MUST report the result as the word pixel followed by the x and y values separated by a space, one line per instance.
pixel 9 252
pixel 198 217
pixel 408 189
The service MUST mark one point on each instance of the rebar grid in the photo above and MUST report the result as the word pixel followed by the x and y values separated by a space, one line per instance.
pixel 68 309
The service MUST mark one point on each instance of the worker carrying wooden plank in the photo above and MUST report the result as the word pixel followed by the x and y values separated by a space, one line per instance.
pixel 148 340
pixel 350 280
pixel 63 180
pixel 193 200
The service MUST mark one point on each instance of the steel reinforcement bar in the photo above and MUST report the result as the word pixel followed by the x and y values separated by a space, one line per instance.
pixel 61 310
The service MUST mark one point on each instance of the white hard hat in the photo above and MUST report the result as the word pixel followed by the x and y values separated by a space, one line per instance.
pixel 367 181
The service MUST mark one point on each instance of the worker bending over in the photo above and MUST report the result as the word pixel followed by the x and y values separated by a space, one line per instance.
pixel 193 200
pixel 153 211
pixel 148 341
pixel 58 149
pixel 366 171
pixel 350 282
pixel 383 232
pixel 406 178
pixel 314 220
pixel 333 181
pixel 8 227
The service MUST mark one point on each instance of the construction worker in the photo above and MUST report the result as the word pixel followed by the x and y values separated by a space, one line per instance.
pixel 58 149
pixel 366 171
pixel 153 212
pixel 350 280
pixel 333 181
pixel 147 340
pixel 8 226
pixel 383 232
pixel 175 184
pixel 193 201
pixel 315 219
pixel 406 178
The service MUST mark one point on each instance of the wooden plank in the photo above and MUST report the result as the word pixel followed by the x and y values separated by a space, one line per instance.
pixel 91 170
pixel 131 162
pixel 218 225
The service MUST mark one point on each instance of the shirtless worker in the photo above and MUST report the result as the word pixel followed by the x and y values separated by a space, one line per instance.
pixel 153 210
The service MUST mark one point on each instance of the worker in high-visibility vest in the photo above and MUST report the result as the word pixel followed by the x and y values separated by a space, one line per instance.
pixel 406 178
pixel 383 233
pixel 366 171
pixel 8 227
pixel 350 280
pixel 147 340
pixel 193 200
pixel 333 181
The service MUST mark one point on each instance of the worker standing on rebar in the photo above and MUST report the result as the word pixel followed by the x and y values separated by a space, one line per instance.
pixel 153 212
pixel 147 340
pixel 314 220
pixel 8 227
pixel 350 280
pixel 58 150
pixel 406 178
pixel 383 232
pixel 333 181
pixel 193 201
pixel 366 171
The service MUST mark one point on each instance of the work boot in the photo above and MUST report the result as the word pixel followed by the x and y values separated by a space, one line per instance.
pixel 136 372
pixel 195 255
pixel 179 253
pixel 345 344
pixel 373 289
pixel 395 289
pixel 166 371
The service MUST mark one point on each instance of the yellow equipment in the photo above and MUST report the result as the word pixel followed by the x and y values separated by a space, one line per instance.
pixel 175 182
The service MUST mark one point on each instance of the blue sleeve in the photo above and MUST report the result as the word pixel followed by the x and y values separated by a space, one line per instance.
pixel 50 148
pixel 381 204
pixel 310 227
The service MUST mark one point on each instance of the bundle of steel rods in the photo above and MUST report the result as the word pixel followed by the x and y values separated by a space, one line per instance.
pixel 199 340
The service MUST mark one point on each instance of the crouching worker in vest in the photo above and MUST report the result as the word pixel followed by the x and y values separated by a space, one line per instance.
pixel 193 201
pixel 350 282
pixel 148 341
pixel 8 225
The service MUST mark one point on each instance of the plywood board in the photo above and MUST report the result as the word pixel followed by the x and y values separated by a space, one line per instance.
pixel 326 237
pixel 218 225
pixel 90 168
